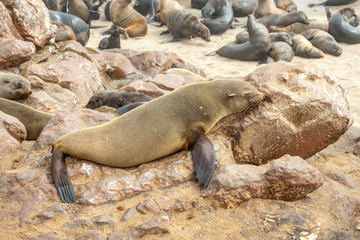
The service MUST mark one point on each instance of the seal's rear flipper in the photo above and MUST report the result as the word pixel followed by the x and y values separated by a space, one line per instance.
pixel 61 178
pixel 203 156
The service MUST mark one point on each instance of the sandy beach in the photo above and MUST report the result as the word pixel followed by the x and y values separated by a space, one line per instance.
pixel 345 67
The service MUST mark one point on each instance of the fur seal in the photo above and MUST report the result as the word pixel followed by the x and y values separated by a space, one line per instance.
pixel 281 51
pixel 80 28
pixel 323 41
pixel 341 29
pixel 128 107
pixel 52 4
pixel 33 120
pixel 198 4
pixel 111 42
pixel 332 3
pixel 218 15
pixel 147 8
pixel 303 48
pixel 107 10
pixel 132 24
pixel 13 86
pixel 185 25
pixel 78 8
pixel 116 99
pixel 242 37
pixel 242 8
pixel 266 7
pixel 182 119
pixel 283 20
pixel 286 5
pixel 300 27
pixel 63 32
pixel 255 49
pixel 166 6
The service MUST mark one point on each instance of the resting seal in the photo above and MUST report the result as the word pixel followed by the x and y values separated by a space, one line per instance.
pixel 332 3
pixel 255 49
pixel 116 99
pixel 283 20
pixel 63 32
pixel 111 42
pixel 33 120
pixel 165 125
pixel 198 4
pixel 13 86
pixel 78 8
pixel 128 107
pixel 287 5
pixel 300 27
pixel 218 15
pixel 185 25
pixel 341 29
pixel 281 51
pixel 323 41
pixel 266 7
pixel 242 37
pixel 242 8
pixel 303 48
pixel 80 28
pixel 132 24
pixel 147 8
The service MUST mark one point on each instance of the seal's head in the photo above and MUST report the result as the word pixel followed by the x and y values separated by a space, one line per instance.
pixel 13 86
pixel 95 101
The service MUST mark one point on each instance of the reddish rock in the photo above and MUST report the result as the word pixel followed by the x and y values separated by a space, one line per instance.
pixel 7 27
pixel 155 226
pixel 195 69
pixel 69 121
pixel 357 149
pixel 168 82
pixel 9 146
pixel 32 21
pixel 145 87
pixel 15 52
pixel 118 66
pixel 286 178
pixel 35 82
pixel 13 126
pixel 305 110
pixel 41 101
pixel 67 98
pixel 47 75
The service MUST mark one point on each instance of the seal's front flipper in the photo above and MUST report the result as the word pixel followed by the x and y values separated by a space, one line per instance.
pixel 203 156
pixel 61 178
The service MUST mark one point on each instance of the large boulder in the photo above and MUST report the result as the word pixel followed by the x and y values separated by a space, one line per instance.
pixel 14 52
pixel 305 110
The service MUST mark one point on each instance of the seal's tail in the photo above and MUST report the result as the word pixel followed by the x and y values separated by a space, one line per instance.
pixel 211 54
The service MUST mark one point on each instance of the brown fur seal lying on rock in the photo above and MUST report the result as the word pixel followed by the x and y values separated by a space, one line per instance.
pixel 132 24
pixel 323 41
pixel 165 125
pixel 33 120
pixel 255 49
pixel 185 25
pixel 341 29
pixel 116 99
pixel 13 86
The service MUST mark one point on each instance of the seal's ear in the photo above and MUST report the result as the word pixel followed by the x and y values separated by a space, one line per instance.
pixel 232 95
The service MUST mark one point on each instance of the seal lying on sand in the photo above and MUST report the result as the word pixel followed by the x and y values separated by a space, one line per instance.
pixel 80 28
pixel 242 37
pixel 283 20
pixel 185 25
pixel 147 8
pixel 266 7
pixel 332 3
pixel 242 8
pixel 116 99
pixel 287 5
pixel 281 51
pixel 165 125
pixel 13 86
pixel 132 24
pixel 33 120
pixel 255 49
pixel 341 29
pixel 218 15
pixel 303 48
pixel 323 41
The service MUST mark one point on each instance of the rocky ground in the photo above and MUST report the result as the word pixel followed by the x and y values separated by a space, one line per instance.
pixel 306 114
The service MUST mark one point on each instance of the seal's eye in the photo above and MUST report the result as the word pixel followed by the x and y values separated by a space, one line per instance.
pixel 6 81
pixel 247 94
pixel 98 100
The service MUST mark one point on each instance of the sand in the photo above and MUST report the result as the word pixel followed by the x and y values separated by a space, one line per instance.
pixel 345 67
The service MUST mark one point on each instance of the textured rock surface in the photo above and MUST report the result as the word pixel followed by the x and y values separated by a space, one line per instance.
pixel 9 146
pixel 32 21
pixel 13 126
pixel 305 110
pixel 15 52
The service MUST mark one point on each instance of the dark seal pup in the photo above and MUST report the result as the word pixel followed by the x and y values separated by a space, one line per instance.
pixel 198 4
pixel 323 41
pixel 281 51
pixel 186 25
pixel 116 99
pixel 111 42
pixel 218 15
pixel 255 49
pixel 182 119
pixel 341 29
pixel 283 20
pixel 332 3
pixel 147 8
pixel 80 28
pixel 13 86
pixel 33 120
pixel 128 107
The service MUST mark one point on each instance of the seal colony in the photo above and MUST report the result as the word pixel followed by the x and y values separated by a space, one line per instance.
pixel 165 125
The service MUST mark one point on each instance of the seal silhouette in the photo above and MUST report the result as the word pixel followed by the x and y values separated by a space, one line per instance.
pixel 165 125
